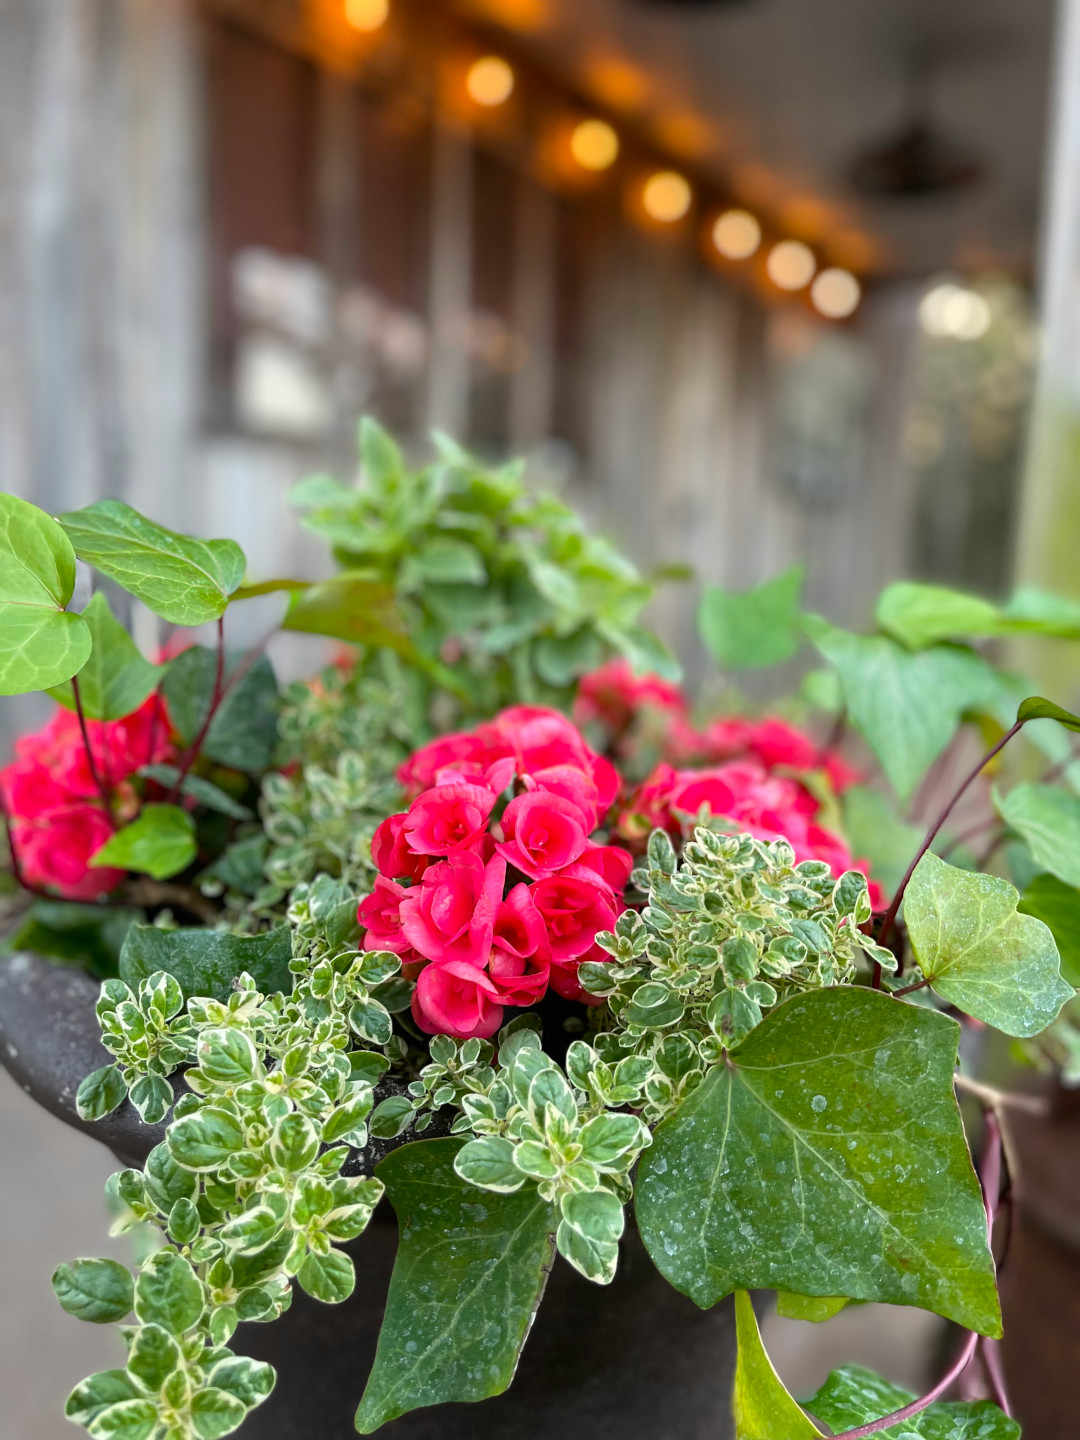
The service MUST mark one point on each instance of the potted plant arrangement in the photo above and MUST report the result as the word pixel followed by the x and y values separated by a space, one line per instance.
pixel 482 921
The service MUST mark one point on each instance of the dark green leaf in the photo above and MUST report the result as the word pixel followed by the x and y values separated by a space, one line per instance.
pixel 41 645
pixel 116 679
pixel 469 1274
pixel 978 952
pixel 763 1408
pixel 1058 906
pixel 853 1396
pixel 168 1292
pixel 184 580
pixel 101 1291
pixel 243 731
pixel 752 628
pixel 160 843
pixel 204 791
pixel 87 935
pixel 1036 708
pixel 206 962
pixel 919 615
pixel 1047 819
pixel 826 1158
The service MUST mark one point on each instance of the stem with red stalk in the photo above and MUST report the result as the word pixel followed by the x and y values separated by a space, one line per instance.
pixel 95 774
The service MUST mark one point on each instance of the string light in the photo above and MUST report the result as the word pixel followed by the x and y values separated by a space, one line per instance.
pixel 594 144
pixel 490 81
pixel 367 15
pixel 666 196
pixel 791 265
pixel 835 293
pixel 954 312
pixel 736 234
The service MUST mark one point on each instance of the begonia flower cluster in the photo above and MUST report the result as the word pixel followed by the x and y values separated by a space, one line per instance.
pixel 491 886
pixel 55 812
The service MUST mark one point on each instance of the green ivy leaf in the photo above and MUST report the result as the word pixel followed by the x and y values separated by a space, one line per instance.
pixel 905 705
pixel 978 953
pixel 753 628
pixel 1047 819
pixel 184 580
pixel 117 678
pixel 206 962
pixel 243 731
pixel 41 645
pixel 100 1093
pixel 1058 906
pixel 468 1277
pixel 1045 614
pixel 762 1406
pixel 919 615
pixel 101 1291
pixel 827 1158
pixel 160 843
pixel 816 1308
pixel 168 1292
pixel 853 1396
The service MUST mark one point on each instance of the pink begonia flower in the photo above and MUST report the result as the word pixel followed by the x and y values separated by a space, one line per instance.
pixel 450 915
pixel 544 833
pixel 447 818
pixel 611 862
pixel 577 786
pixel 380 914
pixel 456 999
pixel 520 959
pixel 391 853
pixel 613 695
pixel 55 851
pixel 419 771
pixel 573 907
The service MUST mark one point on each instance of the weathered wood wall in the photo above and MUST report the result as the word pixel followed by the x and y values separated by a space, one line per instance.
pixel 105 384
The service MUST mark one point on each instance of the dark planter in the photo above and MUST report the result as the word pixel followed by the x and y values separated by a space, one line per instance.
pixel 632 1359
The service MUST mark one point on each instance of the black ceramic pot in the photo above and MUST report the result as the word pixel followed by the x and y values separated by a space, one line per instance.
pixel 633 1360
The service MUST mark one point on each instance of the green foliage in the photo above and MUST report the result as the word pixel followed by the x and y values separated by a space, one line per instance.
pixel 159 842
pixel 116 679
pixel 148 1036
pixel 184 580
pixel 101 1291
pixel 41 644
pixel 86 935
pixel 756 627
pixel 978 953
pixel 243 731
pixel 816 1308
pixel 853 1396
pixel 906 705
pixel 197 788
pixel 762 1407
pixel 836 1169
pixel 1047 819
pixel 207 962
pixel 1058 906
pixel 920 615
pixel 731 928
pixel 876 833
pixel 467 1281
pixel 503 594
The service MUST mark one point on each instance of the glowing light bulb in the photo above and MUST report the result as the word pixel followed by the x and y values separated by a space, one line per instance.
pixel 666 196
pixel 791 265
pixel 490 81
pixel 736 234
pixel 954 312
pixel 367 15
pixel 835 293
pixel 594 144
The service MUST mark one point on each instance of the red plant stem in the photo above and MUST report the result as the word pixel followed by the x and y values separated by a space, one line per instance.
pixel 931 834
pixel 991 1188
pixel 94 772
pixel 191 754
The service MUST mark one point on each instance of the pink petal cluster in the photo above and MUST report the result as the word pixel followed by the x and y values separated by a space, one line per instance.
pixel 55 812
pixel 614 696
pixel 488 905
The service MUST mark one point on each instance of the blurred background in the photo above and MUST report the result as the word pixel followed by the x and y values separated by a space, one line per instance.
pixel 750 281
